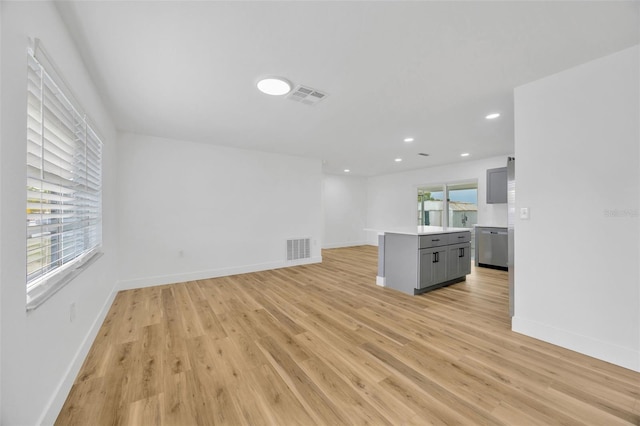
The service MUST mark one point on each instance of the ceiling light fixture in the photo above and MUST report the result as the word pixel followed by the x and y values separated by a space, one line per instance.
pixel 464 154
pixel 492 116
pixel 409 139
pixel 347 170
pixel 397 160
pixel 275 86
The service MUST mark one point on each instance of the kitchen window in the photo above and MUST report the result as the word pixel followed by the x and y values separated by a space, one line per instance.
pixel 454 204
pixel 451 204
pixel 64 185
pixel 431 206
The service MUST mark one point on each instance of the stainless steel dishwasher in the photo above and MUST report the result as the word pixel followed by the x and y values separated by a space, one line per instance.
pixel 492 245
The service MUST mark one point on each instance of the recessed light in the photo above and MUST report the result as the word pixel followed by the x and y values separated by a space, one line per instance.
pixel 347 170
pixel 492 116
pixel 464 154
pixel 275 86
pixel 397 160
pixel 409 139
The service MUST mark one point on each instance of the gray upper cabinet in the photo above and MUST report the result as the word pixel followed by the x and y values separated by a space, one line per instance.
pixel 497 185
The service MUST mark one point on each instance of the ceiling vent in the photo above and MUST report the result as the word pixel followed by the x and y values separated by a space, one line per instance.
pixel 424 154
pixel 306 95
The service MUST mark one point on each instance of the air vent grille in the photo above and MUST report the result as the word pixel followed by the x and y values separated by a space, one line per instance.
pixel 306 95
pixel 299 248
pixel 424 154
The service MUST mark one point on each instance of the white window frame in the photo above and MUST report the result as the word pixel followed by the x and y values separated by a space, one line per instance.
pixel 64 184
pixel 445 187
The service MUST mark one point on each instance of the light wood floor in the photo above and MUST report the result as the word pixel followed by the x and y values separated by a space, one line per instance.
pixel 322 344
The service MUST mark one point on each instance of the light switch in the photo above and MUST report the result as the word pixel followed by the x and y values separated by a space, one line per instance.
pixel 524 213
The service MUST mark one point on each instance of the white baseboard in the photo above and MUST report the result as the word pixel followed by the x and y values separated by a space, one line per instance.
pixel 210 273
pixel 52 410
pixel 605 351
pixel 344 244
pixel 380 281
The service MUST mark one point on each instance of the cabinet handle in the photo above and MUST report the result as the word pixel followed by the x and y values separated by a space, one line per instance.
pixel 461 254
pixel 461 236
pixel 437 239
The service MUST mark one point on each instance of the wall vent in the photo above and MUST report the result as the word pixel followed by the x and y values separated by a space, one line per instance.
pixel 306 95
pixel 299 248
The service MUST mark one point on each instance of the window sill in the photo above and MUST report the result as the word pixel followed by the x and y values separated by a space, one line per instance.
pixel 51 285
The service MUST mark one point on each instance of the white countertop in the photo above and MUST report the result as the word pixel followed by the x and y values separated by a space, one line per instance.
pixel 420 230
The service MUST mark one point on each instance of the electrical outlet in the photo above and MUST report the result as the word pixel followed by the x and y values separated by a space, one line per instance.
pixel 72 312
pixel 524 213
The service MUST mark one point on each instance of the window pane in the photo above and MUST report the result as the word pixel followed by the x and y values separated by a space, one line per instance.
pixel 430 206
pixel 463 205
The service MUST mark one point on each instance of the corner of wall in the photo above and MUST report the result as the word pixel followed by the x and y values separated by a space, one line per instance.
pixel 618 355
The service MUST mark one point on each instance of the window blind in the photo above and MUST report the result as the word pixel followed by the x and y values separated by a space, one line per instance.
pixel 64 187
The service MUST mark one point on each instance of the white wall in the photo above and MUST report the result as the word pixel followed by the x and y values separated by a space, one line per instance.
pixel 192 210
pixel 577 282
pixel 345 206
pixel 42 351
pixel 391 199
pixel 1 233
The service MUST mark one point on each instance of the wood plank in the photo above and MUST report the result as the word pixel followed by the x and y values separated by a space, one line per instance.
pixel 147 379
pixel 175 356
pixel 356 408
pixel 315 402
pixel 275 399
pixel 145 411
pixel 464 407
pixel 84 403
pixel 208 385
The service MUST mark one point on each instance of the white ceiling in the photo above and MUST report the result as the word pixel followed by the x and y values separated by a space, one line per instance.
pixel 430 70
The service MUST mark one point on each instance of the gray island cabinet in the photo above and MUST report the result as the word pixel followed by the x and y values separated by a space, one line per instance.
pixel 416 261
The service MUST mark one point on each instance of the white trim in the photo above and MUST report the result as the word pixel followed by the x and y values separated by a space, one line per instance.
pixel 380 281
pixel 54 405
pixel 605 351
pixel 345 244
pixel 210 273
pixel 41 289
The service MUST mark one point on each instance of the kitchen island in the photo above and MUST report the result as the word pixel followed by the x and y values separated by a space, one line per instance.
pixel 423 258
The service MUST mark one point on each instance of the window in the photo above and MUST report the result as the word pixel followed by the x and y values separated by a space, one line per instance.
pixel 454 205
pixel 431 206
pixel 64 187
